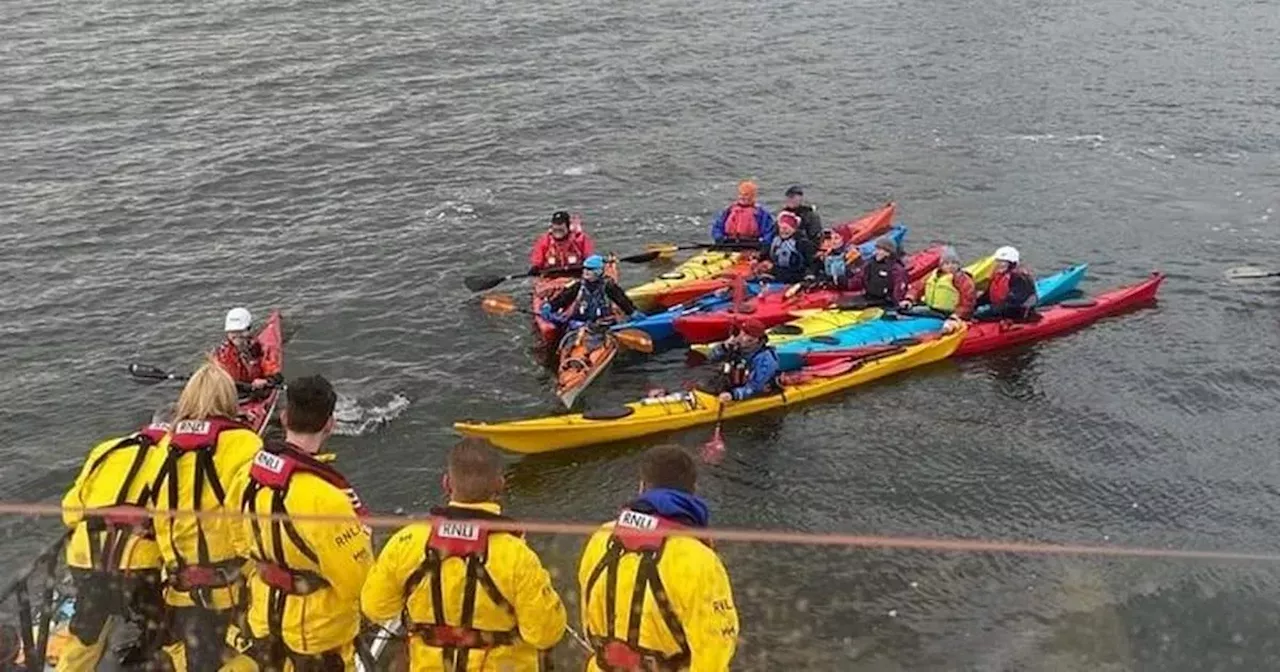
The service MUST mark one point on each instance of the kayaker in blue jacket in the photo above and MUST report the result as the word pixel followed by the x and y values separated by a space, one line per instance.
pixel 749 366
pixel 590 299
pixel 744 220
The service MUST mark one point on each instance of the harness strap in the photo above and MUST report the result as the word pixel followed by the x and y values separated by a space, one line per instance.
pixel 108 535
pixel 618 655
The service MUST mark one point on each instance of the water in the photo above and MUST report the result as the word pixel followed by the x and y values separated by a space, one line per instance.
pixel 350 161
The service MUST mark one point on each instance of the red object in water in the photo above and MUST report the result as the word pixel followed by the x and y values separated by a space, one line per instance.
pixel 713 450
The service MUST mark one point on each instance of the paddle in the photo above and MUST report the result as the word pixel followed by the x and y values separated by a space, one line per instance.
pixel 503 304
pixel 1250 273
pixel 145 373
pixel 714 449
pixel 479 283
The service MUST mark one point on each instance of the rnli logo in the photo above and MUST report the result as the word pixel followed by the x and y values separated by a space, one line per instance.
pixel 192 427
pixel 637 521
pixel 158 427
pixel 456 530
pixel 272 463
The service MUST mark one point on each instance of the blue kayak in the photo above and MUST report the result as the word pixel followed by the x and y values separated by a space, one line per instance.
pixel 894 326
pixel 661 326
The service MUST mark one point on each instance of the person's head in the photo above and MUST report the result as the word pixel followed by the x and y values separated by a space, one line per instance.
pixel 308 409
pixel 750 334
pixel 473 473
pixel 788 222
pixel 1006 258
pixel 560 225
pixel 668 467
pixel 795 196
pixel 593 268
pixel 746 192
pixel 949 261
pixel 885 248
pixel 210 393
pixel 237 325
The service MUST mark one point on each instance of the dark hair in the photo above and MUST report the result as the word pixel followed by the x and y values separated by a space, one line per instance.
pixel 475 471
pixel 310 404
pixel 669 467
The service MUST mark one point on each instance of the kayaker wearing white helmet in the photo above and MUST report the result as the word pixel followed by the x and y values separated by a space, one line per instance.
pixel 1012 292
pixel 242 356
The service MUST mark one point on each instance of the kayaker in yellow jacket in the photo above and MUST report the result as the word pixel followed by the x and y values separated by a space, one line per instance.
pixel 114 560
pixel 202 453
pixel 513 616
pixel 685 619
pixel 304 590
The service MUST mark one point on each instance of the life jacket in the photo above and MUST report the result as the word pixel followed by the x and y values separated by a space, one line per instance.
pixel 736 370
pixel 243 367
pixel 455 534
pixel 785 253
pixel 592 303
pixel 940 292
pixel 741 223
pixel 566 252
pixel 645 534
pixel 109 532
pixel 998 291
pixel 878 279
pixel 200 439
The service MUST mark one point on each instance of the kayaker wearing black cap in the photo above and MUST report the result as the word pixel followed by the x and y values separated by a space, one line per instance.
pixel 653 599
pixel 590 299
pixel 564 243
pixel 1012 292
pixel 810 222
pixel 883 278
pixel 749 367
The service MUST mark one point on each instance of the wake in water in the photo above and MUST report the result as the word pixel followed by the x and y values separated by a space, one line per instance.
pixel 357 419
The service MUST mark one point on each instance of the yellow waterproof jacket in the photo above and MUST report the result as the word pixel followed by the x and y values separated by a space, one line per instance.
pixel 338 551
pixel 535 614
pixel 231 448
pixel 105 480
pixel 697 588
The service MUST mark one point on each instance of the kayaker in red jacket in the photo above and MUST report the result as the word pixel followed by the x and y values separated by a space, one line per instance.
pixel 947 290
pixel 564 244
pixel 241 356
pixel 1012 292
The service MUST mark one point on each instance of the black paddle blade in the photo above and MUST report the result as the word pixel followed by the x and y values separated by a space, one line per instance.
pixel 147 372
pixel 479 283
pixel 642 258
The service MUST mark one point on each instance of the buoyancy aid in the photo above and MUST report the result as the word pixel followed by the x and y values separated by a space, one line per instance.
pixel 243 365
pixel 565 252
pixel 644 534
pixel 940 292
pixel 741 223
pixel 878 276
pixel 592 302
pixel 736 370
pixel 109 531
pixel 785 253
pixel 456 534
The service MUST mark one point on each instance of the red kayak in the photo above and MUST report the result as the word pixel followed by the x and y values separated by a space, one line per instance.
pixel 257 411
pixel 855 232
pixel 544 288
pixel 775 308
pixel 985 337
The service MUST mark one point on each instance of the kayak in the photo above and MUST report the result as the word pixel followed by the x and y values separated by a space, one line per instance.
pixel 856 232
pixel 688 409
pixel 772 309
pixel 893 327
pixel 546 287
pixel 825 321
pixel 583 355
pixel 257 411
pixel 661 326
pixel 702 266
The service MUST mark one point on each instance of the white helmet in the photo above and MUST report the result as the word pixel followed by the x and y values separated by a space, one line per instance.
pixel 1006 253
pixel 238 319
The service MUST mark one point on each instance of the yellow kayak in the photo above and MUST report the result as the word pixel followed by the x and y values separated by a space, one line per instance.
pixel 688 409
pixel 701 266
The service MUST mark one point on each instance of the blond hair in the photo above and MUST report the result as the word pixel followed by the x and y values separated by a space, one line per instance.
pixel 210 393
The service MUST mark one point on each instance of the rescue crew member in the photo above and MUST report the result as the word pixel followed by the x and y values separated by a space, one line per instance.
pixel 1012 292
pixel 242 356
pixel 473 598
pixel 744 220
pixel 791 255
pixel 113 558
pixel 590 299
pixel 810 222
pixel 948 290
pixel 883 278
pixel 564 244
pixel 652 598
pixel 304 587
pixel 749 367
pixel 202 454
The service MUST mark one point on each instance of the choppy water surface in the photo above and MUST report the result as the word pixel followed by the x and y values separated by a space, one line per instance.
pixel 350 161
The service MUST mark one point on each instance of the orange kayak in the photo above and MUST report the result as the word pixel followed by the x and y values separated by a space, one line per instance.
pixel 584 354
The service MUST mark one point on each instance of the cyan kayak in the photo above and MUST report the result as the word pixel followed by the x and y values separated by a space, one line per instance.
pixel 892 327
pixel 661 326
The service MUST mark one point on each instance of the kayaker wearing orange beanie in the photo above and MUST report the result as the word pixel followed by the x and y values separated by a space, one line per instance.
pixel 749 366
pixel 744 220
pixel 564 244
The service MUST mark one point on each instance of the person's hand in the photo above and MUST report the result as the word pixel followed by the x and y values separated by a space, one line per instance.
pixel 638 315
pixel 575 222
pixel 259 383
pixel 951 325
pixel 726 397
pixel 906 304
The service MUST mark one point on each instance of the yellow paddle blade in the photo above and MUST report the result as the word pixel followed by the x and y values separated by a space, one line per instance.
pixel 634 339
pixel 664 250
pixel 498 304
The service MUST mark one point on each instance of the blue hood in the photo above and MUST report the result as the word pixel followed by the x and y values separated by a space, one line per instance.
pixel 675 505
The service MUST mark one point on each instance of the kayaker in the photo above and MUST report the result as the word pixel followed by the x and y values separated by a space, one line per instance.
pixel 495 606
pixel 242 356
pixel 114 559
pixel 1012 292
pixel 749 367
pixel 948 290
pixel 744 220
pixel 883 278
pixel 830 260
pixel 791 255
pixel 564 244
pixel 590 299
pixel 205 450
pixel 304 587
pixel 810 222
pixel 652 598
